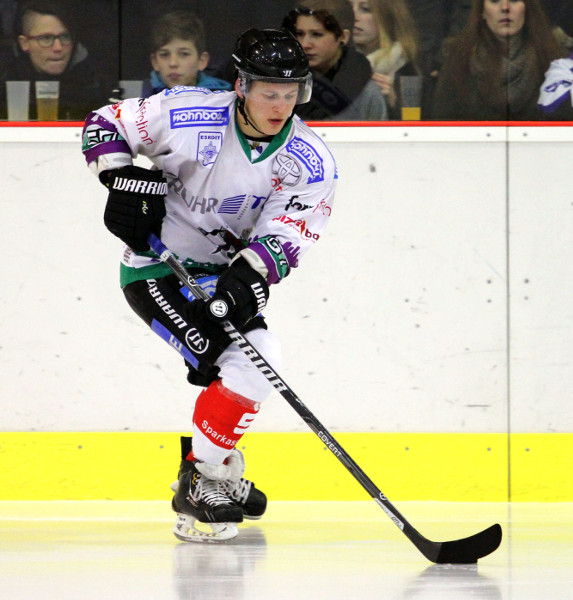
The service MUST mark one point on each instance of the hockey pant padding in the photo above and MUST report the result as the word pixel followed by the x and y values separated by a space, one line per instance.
pixel 240 375
pixel 220 419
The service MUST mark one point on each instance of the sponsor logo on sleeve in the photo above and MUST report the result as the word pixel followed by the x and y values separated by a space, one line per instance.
pixel 199 116
pixel 141 122
pixel 323 208
pixel 298 225
pixel 309 157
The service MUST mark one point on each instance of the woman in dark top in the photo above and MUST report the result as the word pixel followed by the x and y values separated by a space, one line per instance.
pixel 495 66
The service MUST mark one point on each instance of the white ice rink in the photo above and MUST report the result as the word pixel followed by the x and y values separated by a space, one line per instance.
pixel 316 550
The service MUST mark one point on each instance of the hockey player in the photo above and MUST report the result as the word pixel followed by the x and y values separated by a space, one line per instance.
pixel 239 189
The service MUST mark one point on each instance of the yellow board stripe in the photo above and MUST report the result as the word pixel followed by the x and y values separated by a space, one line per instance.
pixel 294 466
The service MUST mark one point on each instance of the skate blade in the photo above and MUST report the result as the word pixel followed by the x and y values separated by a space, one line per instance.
pixel 188 529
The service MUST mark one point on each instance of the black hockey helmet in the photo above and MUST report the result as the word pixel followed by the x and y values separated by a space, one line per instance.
pixel 274 56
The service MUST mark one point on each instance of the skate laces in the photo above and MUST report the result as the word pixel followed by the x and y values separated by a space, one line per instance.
pixel 239 491
pixel 209 491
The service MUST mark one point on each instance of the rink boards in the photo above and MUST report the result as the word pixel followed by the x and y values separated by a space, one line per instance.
pixel 294 466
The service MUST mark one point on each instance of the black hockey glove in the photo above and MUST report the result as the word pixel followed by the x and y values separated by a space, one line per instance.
pixel 135 204
pixel 243 289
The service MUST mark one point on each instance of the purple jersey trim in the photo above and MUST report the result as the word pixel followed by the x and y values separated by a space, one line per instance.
pixel 106 148
pixel 292 253
pixel 101 137
pixel 273 273
pixel 262 252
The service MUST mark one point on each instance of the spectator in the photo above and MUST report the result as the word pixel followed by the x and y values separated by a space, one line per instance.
pixel 435 21
pixel 495 66
pixel 385 33
pixel 47 50
pixel 342 88
pixel 224 20
pixel 179 55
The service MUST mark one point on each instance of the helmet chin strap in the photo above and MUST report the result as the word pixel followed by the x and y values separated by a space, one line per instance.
pixel 243 112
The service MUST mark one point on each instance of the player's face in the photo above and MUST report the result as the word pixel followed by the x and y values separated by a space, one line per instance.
pixel 178 62
pixel 504 17
pixel 321 46
pixel 268 106
pixel 366 36
pixel 54 59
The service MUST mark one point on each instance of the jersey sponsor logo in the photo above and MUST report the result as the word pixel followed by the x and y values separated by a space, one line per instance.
pixel 209 146
pixel 199 116
pixel 232 205
pixel 195 204
pixel 287 170
pixel 141 122
pixel 300 226
pixel 140 186
pixel 296 205
pixel 323 208
pixel 309 156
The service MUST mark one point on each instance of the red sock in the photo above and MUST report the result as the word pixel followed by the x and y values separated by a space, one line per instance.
pixel 223 416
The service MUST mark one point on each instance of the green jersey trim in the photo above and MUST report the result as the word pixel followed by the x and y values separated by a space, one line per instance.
pixel 128 275
pixel 277 141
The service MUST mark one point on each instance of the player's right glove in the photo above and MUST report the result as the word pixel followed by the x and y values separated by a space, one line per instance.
pixel 244 291
pixel 135 204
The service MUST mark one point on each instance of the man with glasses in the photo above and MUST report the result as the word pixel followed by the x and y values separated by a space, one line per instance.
pixel 49 51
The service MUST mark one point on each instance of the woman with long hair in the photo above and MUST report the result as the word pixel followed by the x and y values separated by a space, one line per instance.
pixel 342 88
pixel 495 66
pixel 385 33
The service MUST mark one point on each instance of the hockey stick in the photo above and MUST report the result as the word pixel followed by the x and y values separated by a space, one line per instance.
pixel 464 551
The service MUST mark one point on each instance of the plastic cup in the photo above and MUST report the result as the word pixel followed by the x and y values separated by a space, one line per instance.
pixel 131 88
pixel 18 100
pixel 411 97
pixel 47 96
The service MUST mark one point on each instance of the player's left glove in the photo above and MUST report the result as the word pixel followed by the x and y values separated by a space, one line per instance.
pixel 243 289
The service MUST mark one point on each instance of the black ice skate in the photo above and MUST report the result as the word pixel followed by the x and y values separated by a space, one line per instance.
pixel 247 496
pixel 243 492
pixel 199 499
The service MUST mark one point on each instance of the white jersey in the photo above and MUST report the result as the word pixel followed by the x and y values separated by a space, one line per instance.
pixel 220 198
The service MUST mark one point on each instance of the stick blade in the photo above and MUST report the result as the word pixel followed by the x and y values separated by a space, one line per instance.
pixel 467 550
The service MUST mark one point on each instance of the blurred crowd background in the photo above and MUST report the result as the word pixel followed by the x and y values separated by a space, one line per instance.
pixel 469 70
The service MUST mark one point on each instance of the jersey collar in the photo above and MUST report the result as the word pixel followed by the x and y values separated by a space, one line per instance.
pixel 277 141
